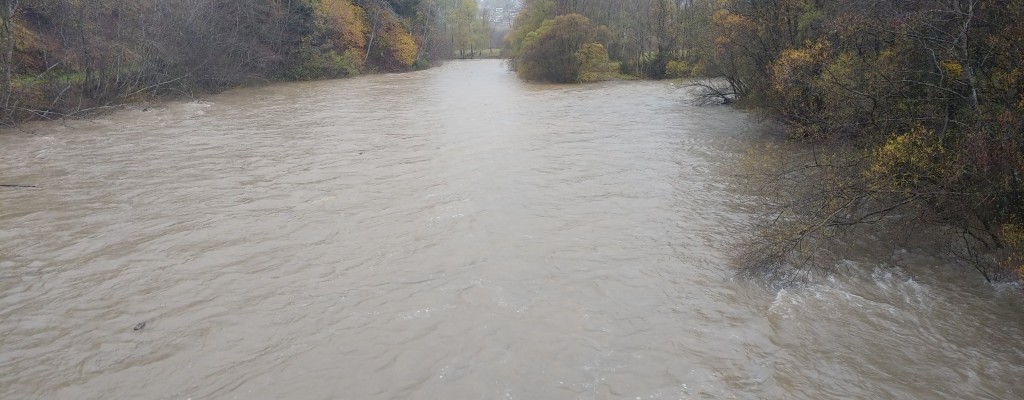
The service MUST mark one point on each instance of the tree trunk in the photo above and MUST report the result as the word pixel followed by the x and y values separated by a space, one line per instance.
pixel 965 39
pixel 9 6
pixel 373 34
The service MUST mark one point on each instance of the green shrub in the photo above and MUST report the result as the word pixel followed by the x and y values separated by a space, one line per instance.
pixel 549 54
pixel 678 69
pixel 594 64
pixel 316 64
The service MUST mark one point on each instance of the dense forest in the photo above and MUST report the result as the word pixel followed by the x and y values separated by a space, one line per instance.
pixel 63 57
pixel 911 112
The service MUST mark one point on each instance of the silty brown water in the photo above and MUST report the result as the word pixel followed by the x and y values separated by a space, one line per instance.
pixel 451 233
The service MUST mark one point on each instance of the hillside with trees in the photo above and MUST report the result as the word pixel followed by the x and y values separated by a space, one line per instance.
pixel 911 113
pixel 64 57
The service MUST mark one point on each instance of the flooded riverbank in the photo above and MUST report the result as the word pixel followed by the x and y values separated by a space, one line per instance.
pixel 449 233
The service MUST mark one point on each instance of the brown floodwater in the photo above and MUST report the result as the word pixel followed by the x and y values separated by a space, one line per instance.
pixel 446 234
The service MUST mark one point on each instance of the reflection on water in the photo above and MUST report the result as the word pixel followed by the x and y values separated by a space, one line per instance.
pixel 451 233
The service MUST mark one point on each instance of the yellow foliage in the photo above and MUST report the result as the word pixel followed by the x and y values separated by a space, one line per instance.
pixel 796 66
pixel 594 63
pixel 719 16
pixel 731 20
pixel 797 79
pixel 678 69
pixel 728 25
pixel 1013 236
pixel 350 26
pixel 953 69
pixel 348 21
pixel 400 44
pixel 907 161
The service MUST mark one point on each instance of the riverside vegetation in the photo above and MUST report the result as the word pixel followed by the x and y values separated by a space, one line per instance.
pixel 911 113
pixel 66 57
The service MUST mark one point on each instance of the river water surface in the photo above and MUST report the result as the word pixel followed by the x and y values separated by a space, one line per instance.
pixel 445 234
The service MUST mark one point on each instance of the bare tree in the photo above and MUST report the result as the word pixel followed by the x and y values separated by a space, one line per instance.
pixel 7 13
